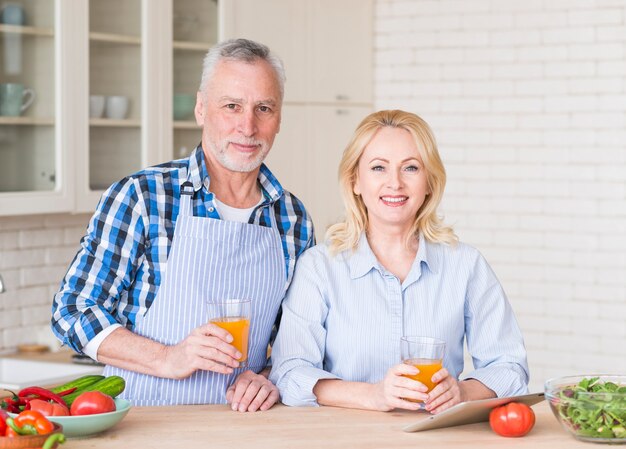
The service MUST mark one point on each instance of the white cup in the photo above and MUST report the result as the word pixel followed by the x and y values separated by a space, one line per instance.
pixel 116 107
pixel 96 106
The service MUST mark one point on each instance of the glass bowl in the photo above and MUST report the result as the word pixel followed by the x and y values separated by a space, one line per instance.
pixel 590 407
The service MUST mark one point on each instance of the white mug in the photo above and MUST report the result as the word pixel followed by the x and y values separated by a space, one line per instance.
pixel 116 107
pixel 96 106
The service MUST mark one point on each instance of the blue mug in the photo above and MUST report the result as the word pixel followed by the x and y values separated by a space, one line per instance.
pixel 13 14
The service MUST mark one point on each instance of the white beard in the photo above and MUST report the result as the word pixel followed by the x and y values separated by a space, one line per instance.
pixel 220 153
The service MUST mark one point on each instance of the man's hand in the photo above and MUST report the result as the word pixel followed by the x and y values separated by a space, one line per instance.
pixel 206 348
pixel 251 392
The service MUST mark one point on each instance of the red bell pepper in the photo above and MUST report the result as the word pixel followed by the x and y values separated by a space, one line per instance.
pixel 34 419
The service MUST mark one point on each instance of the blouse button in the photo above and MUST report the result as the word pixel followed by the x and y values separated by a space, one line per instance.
pixel 211 209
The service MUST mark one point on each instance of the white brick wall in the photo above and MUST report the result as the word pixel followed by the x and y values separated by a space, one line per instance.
pixel 528 102
pixel 35 252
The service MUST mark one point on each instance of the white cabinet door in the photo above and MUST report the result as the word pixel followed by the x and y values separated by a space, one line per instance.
pixel 289 154
pixel 326 45
pixel 279 24
pixel 341 42
pixel 35 67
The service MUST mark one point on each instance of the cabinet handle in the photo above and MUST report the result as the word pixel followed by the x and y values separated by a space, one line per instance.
pixel 340 97
pixel 342 112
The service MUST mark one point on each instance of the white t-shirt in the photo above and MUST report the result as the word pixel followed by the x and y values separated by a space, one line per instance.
pixel 230 213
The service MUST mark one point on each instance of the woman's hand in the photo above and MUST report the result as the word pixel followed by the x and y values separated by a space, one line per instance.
pixel 447 392
pixel 394 390
pixel 251 392
pixel 450 392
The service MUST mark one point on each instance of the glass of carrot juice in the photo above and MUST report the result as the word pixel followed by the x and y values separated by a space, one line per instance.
pixel 233 315
pixel 424 353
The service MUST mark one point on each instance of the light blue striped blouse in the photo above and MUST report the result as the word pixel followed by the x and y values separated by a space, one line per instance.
pixel 343 318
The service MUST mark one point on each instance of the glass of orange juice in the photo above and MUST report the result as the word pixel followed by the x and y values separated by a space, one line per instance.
pixel 424 353
pixel 233 315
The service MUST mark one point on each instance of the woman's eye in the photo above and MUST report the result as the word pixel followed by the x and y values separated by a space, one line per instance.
pixel 412 168
pixel 377 168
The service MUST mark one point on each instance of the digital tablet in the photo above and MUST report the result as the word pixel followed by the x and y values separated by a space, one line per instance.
pixel 469 412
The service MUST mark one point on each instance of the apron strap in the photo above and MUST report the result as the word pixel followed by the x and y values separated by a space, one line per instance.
pixel 186 193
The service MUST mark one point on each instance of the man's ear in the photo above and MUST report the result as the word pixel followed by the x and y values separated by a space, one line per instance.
pixel 199 109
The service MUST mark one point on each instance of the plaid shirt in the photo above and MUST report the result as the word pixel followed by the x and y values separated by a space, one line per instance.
pixel 117 272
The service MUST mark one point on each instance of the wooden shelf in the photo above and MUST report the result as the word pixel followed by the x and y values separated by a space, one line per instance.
pixel 46 121
pixel 107 122
pixel 115 38
pixel 192 46
pixel 185 124
pixel 26 30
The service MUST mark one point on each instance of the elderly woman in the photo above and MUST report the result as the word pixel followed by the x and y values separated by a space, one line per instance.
pixel 391 269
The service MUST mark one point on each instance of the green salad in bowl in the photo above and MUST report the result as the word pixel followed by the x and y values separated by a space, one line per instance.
pixel 592 408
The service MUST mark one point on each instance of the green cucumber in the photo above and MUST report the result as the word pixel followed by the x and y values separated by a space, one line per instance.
pixel 111 385
pixel 78 383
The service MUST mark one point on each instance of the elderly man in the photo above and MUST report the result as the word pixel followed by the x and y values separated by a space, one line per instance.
pixel 167 239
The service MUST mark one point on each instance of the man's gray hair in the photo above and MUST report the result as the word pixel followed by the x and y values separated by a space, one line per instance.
pixel 241 50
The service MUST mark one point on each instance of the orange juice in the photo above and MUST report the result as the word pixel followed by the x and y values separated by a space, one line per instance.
pixel 239 328
pixel 427 368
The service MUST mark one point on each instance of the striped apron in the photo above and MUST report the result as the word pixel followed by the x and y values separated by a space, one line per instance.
pixel 209 260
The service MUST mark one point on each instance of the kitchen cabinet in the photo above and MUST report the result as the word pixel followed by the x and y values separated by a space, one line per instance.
pixel 133 56
pixel 63 151
pixel 326 45
pixel 34 144
pixel 327 49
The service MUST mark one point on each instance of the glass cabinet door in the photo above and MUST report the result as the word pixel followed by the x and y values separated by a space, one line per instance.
pixel 115 147
pixel 194 31
pixel 28 150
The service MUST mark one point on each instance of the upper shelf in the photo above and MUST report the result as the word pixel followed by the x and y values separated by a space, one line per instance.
pixel 192 46
pixel 6 120
pixel 104 37
pixel 115 38
pixel 26 30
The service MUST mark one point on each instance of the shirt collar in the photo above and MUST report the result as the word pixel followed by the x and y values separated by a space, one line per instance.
pixel 362 260
pixel 199 176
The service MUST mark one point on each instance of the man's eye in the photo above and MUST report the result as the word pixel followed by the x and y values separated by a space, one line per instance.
pixel 264 109
pixel 231 106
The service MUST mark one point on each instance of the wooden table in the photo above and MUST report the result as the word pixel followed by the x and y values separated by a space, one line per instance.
pixel 216 426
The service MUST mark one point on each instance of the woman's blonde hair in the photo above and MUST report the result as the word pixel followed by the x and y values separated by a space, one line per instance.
pixel 345 235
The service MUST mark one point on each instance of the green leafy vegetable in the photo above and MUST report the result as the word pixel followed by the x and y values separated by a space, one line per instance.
pixel 594 408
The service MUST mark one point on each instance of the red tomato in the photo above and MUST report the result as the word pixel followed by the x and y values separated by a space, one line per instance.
pixel 91 403
pixel 512 420
pixel 48 408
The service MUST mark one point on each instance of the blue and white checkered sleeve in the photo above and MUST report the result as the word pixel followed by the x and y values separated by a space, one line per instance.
pixel 102 269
